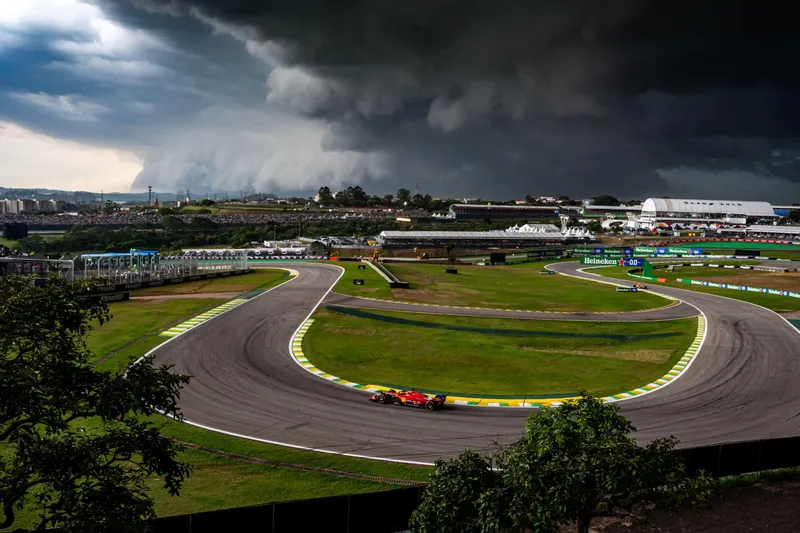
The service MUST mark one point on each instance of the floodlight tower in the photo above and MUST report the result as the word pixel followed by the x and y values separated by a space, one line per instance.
pixel 564 221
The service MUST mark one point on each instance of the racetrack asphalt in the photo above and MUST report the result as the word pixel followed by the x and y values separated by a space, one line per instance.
pixel 742 385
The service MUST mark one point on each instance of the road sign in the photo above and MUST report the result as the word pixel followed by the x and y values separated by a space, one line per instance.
pixel 627 289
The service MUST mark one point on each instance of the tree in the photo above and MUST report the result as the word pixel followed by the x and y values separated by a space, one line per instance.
pixel 468 476
pixel 451 255
pixel 110 207
pixel 606 199
pixel 203 223
pixel 207 202
pixel 585 463
pixel 358 196
pixel 402 196
pixel 574 462
pixel 172 222
pixel 325 196
pixel 595 226
pixel 78 443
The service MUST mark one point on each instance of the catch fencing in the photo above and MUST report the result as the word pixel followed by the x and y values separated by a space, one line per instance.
pixel 390 511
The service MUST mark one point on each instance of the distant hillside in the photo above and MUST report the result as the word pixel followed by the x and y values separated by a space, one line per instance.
pixel 83 196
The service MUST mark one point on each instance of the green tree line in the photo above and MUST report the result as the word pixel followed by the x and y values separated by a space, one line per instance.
pixel 177 236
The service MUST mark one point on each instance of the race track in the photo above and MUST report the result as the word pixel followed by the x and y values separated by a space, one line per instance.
pixel 742 385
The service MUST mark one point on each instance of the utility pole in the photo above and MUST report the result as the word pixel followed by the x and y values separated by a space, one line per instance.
pixel 149 196
pixel 188 195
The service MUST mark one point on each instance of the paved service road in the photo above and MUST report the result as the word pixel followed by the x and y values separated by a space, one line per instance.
pixel 743 384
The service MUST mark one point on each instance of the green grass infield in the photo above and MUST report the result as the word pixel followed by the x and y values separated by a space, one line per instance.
pixel 494 357
pixel 519 287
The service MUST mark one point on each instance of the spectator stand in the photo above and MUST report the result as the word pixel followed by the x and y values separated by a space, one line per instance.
pixel 40 269
pixel 147 265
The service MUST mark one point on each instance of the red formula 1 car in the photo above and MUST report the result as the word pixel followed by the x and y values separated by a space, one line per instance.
pixel 410 398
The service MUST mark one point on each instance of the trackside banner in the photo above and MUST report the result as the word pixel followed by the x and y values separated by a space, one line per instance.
pixel 603 251
pixel 600 261
pixel 739 287
pixel 614 261
pixel 664 251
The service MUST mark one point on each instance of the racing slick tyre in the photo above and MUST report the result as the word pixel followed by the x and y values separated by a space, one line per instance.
pixel 381 398
pixel 430 406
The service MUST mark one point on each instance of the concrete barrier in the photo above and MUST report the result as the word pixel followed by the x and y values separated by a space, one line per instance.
pixel 394 282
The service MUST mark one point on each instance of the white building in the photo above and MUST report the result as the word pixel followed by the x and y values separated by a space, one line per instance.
pixel 669 211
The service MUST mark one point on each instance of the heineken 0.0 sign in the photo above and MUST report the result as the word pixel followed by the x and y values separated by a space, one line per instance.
pixel 600 261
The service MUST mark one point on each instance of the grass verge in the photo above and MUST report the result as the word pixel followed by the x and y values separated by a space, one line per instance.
pixel 135 318
pixel 270 452
pixel 486 356
pixel 504 287
pixel 263 278
pixel 720 275
pixel 219 483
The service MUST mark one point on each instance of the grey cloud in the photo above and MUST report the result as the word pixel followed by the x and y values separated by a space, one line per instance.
pixel 481 98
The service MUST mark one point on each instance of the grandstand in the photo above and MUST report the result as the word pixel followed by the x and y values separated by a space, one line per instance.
pixel 147 265
pixel 610 211
pixel 668 211
pixel 490 212
pixel 40 269
pixel 761 231
pixel 514 237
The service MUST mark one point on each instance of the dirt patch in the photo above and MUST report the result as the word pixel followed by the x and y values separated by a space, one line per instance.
pixel 643 356
pixel 419 295
pixel 773 507
pixel 192 296
pixel 349 331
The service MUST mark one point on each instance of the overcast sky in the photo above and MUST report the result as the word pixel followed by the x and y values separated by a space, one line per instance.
pixel 634 98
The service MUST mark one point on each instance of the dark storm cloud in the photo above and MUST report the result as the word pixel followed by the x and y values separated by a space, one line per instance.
pixel 192 72
pixel 519 96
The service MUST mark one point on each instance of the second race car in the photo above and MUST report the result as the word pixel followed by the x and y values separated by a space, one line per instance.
pixel 410 398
